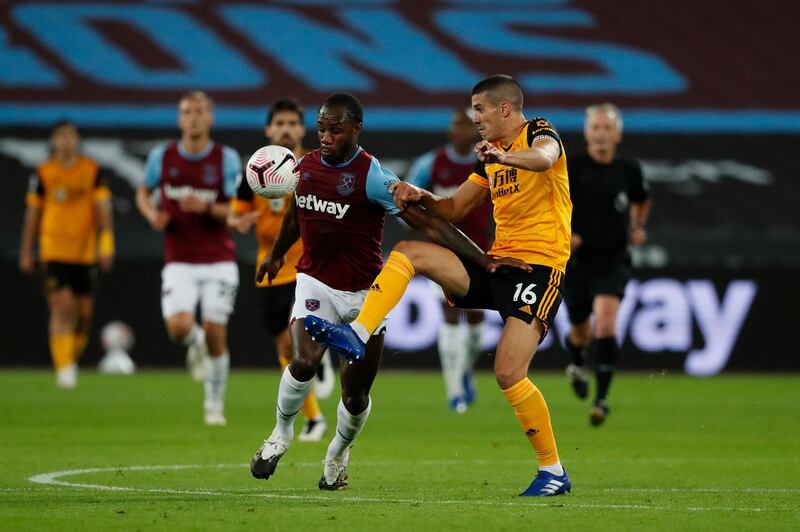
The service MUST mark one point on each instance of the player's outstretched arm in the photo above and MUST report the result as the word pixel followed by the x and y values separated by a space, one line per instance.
pixel 105 226
pixel 453 209
pixel 542 154
pixel 290 232
pixel 445 234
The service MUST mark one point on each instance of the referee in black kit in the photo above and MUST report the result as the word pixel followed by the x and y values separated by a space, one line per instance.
pixel 610 208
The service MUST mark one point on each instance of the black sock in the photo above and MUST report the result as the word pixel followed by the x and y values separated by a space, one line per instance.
pixel 606 357
pixel 576 352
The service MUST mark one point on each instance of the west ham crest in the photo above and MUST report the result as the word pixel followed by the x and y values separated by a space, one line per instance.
pixel 312 304
pixel 209 174
pixel 346 184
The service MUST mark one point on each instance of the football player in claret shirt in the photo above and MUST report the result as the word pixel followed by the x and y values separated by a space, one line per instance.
pixel 196 178
pixel 340 203
pixel 69 210
pixel 284 128
pixel 523 169
pixel 442 171
pixel 611 206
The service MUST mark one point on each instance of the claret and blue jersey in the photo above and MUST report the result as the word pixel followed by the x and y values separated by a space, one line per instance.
pixel 341 211
pixel 212 175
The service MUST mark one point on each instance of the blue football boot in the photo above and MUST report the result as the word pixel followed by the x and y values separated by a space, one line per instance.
pixel 547 485
pixel 338 336
pixel 469 388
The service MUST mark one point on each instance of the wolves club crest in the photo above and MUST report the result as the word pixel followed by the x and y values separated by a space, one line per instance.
pixel 312 304
pixel 346 184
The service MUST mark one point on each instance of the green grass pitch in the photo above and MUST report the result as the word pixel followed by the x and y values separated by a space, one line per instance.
pixel 132 453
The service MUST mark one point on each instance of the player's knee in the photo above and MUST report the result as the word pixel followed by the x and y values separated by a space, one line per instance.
pixel 580 334
pixel 179 328
pixel 508 375
pixel 413 251
pixel 604 326
pixel 355 402
pixel 303 369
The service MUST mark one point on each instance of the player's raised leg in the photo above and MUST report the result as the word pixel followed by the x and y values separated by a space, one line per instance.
pixel 295 385
pixel 605 314
pixel 406 259
pixel 352 413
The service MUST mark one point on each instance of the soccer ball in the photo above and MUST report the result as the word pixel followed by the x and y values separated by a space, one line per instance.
pixel 271 172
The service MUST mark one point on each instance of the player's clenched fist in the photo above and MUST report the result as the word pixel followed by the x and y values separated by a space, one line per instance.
pixel 405 193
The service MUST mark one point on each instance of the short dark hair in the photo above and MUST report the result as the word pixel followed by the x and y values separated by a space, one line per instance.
pixel 64 122
pixel 350 103
pixel 501 88
pixel 284 104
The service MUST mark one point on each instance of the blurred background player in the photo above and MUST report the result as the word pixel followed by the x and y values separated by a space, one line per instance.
pixel 196 179
pixel 284 128
pixel 610 208
pixel 69 210
pixel 442 171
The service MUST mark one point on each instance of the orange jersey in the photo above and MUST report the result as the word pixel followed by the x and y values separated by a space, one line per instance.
pixel 67 198
pixel 268 225
pixel 532 210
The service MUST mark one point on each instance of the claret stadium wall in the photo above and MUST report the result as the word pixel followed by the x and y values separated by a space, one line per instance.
pixel 717 138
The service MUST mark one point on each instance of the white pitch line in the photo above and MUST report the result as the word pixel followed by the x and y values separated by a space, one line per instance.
pixel 52 480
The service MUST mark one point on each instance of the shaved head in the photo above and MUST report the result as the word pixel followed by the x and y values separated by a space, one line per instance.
pixel 501 88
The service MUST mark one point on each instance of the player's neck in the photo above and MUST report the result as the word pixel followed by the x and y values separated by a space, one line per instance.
pixel 602 156
pixel 194 146
pixel 66 159
pixel 512 131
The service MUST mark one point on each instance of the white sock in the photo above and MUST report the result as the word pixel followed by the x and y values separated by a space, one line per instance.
pixel 216 380
pixel 196 335
pixel 361 331
pixel 474 352
pixel 555 469
pixel 291 394
pixel 348 427
pixel 451 353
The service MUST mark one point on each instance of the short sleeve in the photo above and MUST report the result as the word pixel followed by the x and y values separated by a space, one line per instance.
pixel 479 176
pixel 542 128
pixel 421 172
pixel 153 166
pixel 35 194
pixel 639 191
pixel 379 179
pixel 231 171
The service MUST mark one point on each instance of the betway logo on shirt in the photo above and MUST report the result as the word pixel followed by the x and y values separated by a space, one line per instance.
pixel 312 203
pixel 181 192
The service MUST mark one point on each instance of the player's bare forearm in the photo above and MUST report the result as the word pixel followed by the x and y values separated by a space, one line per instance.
pixel 640 213
pixel 219 210
pixel 30 228
pixel 534 159
pixel 442 232
pixel 144 204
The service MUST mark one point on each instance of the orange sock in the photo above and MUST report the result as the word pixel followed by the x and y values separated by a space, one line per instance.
pixel 534 417
pixel 310 408
pixel 62 349
pixel 81 340
pixel 386 291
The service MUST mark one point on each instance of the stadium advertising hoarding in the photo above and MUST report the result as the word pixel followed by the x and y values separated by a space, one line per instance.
pixel 701 322
pixel 123 64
